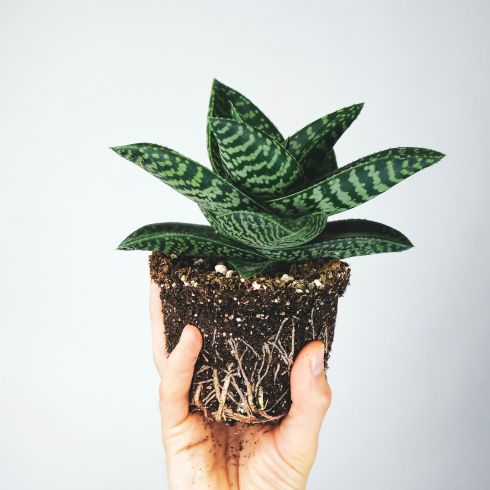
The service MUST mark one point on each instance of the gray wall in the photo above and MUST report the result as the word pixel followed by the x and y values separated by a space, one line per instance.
pixel 78 399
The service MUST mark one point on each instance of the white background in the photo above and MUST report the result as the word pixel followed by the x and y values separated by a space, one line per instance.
pixel 78 394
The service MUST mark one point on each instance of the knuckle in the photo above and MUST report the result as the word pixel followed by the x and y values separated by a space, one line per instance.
pixel 324 399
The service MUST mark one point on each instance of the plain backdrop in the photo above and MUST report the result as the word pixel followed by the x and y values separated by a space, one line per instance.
pixel 410 368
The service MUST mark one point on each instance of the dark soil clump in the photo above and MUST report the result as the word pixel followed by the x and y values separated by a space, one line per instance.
pixel 252 329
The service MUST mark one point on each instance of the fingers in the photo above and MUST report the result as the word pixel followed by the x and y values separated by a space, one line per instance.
pixel 157 328
pixel 177 377
pixel 310 395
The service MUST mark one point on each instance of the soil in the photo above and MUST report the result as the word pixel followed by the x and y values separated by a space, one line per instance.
pixel 252 329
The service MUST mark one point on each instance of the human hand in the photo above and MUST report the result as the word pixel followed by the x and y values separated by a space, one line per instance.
pixel 216 456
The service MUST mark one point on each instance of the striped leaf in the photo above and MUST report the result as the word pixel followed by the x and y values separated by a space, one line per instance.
pixel 187 239
pixel 264 231
pixel 219 106
pixel 346 238
pixel 356 183
pixel 312 146
pixel 256 163
pixel 187 177
pixel 235 115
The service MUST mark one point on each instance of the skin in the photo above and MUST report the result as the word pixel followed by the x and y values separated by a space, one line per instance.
pixel 215 456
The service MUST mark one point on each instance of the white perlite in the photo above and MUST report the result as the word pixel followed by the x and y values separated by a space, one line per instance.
pixel 221 269
pixel 229 273
pixel 255 285
pixel 319 284
pixel 287 278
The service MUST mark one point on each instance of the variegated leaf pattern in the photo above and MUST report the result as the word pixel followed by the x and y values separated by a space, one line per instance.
pixel 346 238
pixel 187 177
pixel 222 95
pixel 268 199
pixel 219 106
pixel 357 182
pixel 312 146
pixel 254 162
pixel 264 231
pixel 235 115
pixel 187 239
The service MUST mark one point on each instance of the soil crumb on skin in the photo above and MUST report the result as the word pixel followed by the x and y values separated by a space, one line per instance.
pixel 252 329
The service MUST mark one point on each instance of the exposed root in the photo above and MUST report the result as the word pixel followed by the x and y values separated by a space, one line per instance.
pixel 224 392
pixel 238 391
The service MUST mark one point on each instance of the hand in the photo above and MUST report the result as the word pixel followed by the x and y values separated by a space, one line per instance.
pixel 216 456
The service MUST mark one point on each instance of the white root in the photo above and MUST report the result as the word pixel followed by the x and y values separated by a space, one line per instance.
pixel 238 390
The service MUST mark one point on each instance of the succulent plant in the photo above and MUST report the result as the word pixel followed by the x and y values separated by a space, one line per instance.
pixel 269 199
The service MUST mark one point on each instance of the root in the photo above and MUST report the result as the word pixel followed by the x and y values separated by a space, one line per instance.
pixel 236 393
pixel 222 401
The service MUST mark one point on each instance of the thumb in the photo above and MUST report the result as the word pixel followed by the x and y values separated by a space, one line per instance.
pixel 177 377
pixel 297 434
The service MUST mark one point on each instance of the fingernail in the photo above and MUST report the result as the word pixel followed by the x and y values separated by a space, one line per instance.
pixel 316 364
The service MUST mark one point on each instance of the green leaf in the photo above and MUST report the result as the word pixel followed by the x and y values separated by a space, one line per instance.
pixel 312 146
pixel 346 238
pixel 264 231
pixel 256 163
pixel 248 269
pixel 324 164
pixel 187 177
pixel 219 106
pixel 356 183
pixel 235 115
pixel 187 239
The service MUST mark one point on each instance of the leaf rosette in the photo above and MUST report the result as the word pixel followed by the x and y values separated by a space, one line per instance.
pixel 269 199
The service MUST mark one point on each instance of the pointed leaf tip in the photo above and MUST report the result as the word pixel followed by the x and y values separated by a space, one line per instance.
pixel 120 150
pixel 312 145
pixel 123 245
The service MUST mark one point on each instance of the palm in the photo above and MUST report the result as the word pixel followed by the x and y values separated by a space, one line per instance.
pixel 219 456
